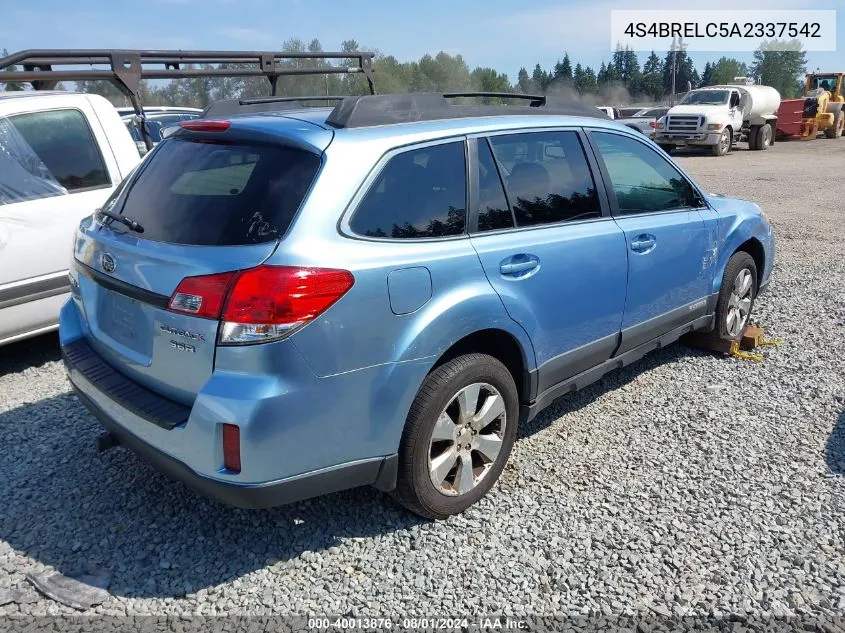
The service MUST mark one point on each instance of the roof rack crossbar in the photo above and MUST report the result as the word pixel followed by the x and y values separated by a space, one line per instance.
pixel 126 68
pixel 372 110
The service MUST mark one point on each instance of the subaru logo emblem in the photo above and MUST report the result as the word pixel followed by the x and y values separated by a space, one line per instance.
pixel 108 263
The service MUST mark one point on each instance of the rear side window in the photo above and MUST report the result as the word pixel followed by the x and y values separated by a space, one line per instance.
pixel 419 193
pixel 212 194
pixel 547 177
pixel 45 154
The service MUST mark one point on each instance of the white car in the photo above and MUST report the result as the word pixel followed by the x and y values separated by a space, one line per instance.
pixel 613 113
pixel 61 155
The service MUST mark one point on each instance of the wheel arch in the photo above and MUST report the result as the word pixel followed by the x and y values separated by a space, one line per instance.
pixel 501 345
pixel 754 247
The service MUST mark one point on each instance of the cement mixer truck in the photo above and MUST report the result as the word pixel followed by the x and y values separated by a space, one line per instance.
pixel 720 116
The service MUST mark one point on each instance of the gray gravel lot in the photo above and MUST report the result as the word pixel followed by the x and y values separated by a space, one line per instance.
pixel 686 484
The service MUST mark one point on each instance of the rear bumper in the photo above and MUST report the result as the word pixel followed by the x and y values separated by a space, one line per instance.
pixel 380 472
pixel 297 441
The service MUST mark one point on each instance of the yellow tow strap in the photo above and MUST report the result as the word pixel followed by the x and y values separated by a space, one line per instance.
pixel 736 351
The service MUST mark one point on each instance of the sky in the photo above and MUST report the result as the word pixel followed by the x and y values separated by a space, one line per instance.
pixel 503 34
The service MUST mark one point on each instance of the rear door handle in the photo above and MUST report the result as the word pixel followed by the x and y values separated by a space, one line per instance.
pixel 643 243
pixel 518 265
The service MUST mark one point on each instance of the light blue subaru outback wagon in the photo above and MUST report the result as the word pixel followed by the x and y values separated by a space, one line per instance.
pixel 293 301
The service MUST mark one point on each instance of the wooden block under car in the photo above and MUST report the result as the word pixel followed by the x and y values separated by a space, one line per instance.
pixel 752 337
pixel 696 339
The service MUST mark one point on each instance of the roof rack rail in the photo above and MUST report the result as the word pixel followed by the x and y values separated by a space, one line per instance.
pixel 231 107
pixel 126 68
pixel 536 100
pixel 372 110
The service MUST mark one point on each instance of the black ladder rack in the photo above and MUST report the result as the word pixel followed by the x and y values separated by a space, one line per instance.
pixel 45 68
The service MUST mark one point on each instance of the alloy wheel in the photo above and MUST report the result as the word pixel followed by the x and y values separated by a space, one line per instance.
pixel 467 439
pixel 739 303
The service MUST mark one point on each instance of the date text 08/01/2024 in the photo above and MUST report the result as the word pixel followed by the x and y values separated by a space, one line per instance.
pixel 412 623
pixel 694 30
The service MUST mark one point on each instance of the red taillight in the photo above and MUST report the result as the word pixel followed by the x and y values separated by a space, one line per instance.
pixel 283 295
pixel 201 296
pixel 263 303
pixel 200 125
pixel 232 447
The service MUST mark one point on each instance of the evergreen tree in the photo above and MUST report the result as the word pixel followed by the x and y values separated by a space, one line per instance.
pixel 584 79
pixel 524 83
pixel 601 78
pixel 563 69
pixel 707 76
pixel 617 63
pixel 631 74
pixel 541 78
pixel 685 72
pixel 589 85
pixel 652 79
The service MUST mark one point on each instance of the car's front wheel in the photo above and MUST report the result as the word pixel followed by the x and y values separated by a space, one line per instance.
pixel 736 296
pixel 458 436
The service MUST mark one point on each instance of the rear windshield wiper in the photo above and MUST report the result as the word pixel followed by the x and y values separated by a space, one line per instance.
pixel 132 224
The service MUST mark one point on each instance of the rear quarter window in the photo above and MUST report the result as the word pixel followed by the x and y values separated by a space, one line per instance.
pixel 420 193
pixel 215 194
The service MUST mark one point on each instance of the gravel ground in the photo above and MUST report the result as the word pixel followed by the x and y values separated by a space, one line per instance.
pixel 686 484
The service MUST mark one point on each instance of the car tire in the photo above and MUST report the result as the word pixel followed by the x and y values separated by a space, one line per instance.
pixel 736 297
pixel 724 145
pixel 438 476
pixel 667 148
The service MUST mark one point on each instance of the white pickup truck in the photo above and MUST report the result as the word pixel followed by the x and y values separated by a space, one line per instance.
pixel 61 155
pixel 720 116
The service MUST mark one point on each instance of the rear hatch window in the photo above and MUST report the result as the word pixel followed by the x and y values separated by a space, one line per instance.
pixel 215 194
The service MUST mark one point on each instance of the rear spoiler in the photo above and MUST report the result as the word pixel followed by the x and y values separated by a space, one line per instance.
pixel 43 69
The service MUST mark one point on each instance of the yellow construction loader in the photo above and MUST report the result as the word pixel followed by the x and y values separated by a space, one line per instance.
pixel 824 105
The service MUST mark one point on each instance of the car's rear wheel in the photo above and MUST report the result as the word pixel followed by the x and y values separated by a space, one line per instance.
pixel 736 296
pixel 458 436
